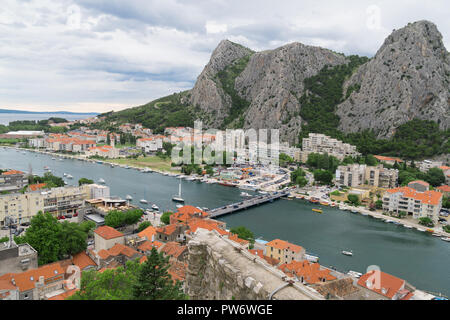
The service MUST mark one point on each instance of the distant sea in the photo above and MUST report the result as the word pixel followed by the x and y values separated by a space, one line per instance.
pixel 6 118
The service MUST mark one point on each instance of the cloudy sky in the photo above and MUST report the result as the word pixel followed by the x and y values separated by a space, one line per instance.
pixel 101 55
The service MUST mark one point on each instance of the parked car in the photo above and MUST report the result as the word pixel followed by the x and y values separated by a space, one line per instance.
pixel 68 216
pixel 25 224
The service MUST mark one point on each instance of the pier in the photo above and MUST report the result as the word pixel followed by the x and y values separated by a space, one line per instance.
pixel 245 204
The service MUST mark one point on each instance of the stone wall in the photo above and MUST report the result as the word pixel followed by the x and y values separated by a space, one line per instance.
pixel 219 269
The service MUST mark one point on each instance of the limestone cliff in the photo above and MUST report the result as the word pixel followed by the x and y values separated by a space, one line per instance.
pixel 408 78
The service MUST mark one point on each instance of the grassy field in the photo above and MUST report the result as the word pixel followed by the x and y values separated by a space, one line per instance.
pixel 152 162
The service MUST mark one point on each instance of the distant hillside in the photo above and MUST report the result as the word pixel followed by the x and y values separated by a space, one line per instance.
pixel 300 89
pixel 48 112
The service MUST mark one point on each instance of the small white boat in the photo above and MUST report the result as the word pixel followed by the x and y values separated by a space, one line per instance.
pixel 245 194
pixel 354 274
pixel 408 227
pixel 347 253
pixel 69 176
pixel 53 158
pixel 128 197
pixel 102 181
pixel 143 201
pixel 447 239
pixel 436 235
pixel 65 174
pixel 178 198
pixel 155 207
pixel 421 230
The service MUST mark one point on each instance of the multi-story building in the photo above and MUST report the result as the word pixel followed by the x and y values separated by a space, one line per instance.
pixel 57 201
pixel 320 143
pixel 354 175
pixel 151 144
pixel 284 251
pixel 413 202
pixel 426 165
pixel 103 151
pixel 17 258
pixel 12 180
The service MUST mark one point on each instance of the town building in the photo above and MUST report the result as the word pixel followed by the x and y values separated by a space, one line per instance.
pixel 385 286
pixel 389 160
pixel 12 180
pixel 150 145
pixel 320 143
pixel 103 151
pixel 174 251
pixel 355 175
pixel 445 190
pixel 106 237
pixel 306 272
pixel 284 251
pixel 418 203
pixel 17 258
pixel 426 165
pixel 172 232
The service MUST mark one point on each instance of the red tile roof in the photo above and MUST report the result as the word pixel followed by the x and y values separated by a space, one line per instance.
pixel 386 284
pixel 173 249
pixel 177 271
pixel 168 230
pixel 310 272
pixel 147 233
pixel 26 280
pixel 383 158
pixel 207 224
pixel 284 245
pixel 82 260
pixel 122 249
pixel 269 260
pixel 64 295
pixel 235 238
pixel 11 172
pixel 108 233
pixel 444 188
pixel 426 184
pixel 39 186
pixel 427 197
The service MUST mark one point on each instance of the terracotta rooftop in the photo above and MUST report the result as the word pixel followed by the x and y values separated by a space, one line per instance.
pixel 310 272
pixel 177 271
pixel 39 186
pixel 64 295
pixel 383 158
pixel 427 197
pixel 173 249
pixel 118 249
pixel 207 224
pixel 426 184
pixel 82 260
pixel 147 233
pixel 444 188
pixel 235 238
pixel 168 230
pixel 388 285
pixel 11 172
pixel 108 233
pixel 284 245
pixel 269 260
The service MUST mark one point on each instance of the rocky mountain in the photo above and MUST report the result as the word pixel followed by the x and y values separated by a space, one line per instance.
pixel 408 78
pixel 298 87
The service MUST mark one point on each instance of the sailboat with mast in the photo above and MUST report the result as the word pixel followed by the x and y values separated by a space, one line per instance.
pixel 178 198
pixel 143 200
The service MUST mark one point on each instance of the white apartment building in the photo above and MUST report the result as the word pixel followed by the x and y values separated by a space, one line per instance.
pixel 415 203
pixel 354 175
pixel 426 165
pixel 320 143
pixel 151 144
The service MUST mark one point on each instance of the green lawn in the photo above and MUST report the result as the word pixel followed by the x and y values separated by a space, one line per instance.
pixel 152 162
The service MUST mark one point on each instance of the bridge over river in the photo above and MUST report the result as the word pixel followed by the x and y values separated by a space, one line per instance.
pixel 255 201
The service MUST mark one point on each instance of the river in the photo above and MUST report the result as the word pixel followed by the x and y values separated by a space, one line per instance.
pixel 419 258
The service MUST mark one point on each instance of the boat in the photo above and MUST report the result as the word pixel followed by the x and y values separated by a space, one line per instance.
pixel 128 197
pixel 421 230
pixel 436 235
pixel 347 253
pixel 430 230
pixel 408 227
pixel 46 168
pixel 311 258
pixel 353 211
pixel 178 198
pixel 354 274
pixel 69 176
pixel 263 192
pixel 447 239
pixel 317 210
pixel 155 207
pixel 102 181
pixel 65 174
pixel 324 203
pixel 143 200
pixel 245 194
pixel 179 206
pixel 53 158
pixel 227 184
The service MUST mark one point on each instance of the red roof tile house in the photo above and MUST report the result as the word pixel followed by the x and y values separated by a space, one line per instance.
pixel 106 237
pixel 385 286
pixel 36 284
pixel 186 213
pixel 269 260
pixel 172 232
pixel 118 255
pixel 175 251
pixel 284 251
pixel 84 261
pixel 445 190
pixel 307 272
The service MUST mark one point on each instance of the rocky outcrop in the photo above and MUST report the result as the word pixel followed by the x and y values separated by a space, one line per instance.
pixel 218 269
pixel 408 78
pixel 273 82
pixel 207 94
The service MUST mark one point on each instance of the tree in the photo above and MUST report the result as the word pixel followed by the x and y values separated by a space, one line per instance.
pixel 353 199
pixel 144 225
pixel 83 181
pixel 379 204
pixel 153 282
pixel 323 176
pixel 244 233
pixel 88 227
pixel 72 239
pixel 446 228
pixel 53 240
pixel 427 222
pixel 435 177
pixel 165 218
pixel 298 177
pixel 114 219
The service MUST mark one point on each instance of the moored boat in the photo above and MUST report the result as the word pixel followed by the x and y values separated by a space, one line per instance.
pixel 347 253
pixel 317 210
